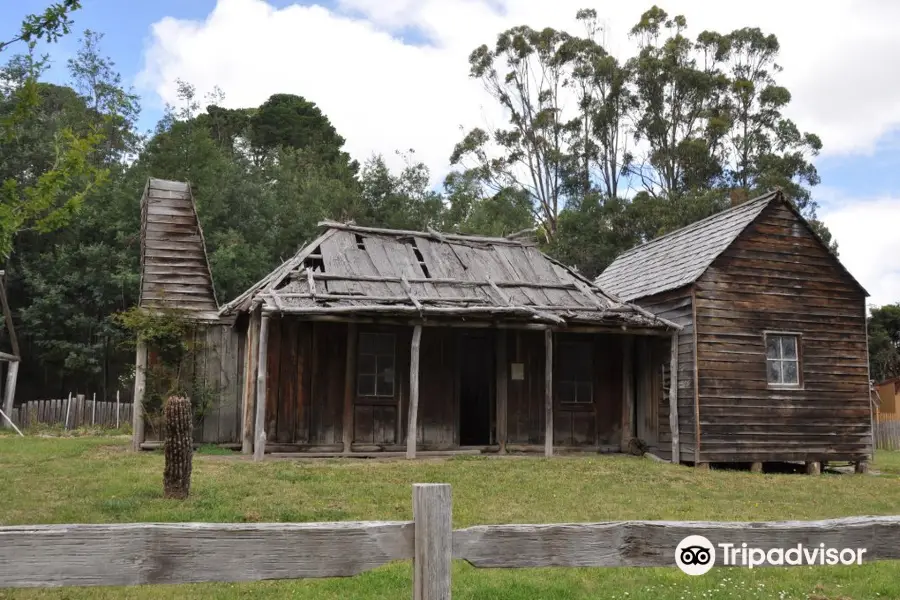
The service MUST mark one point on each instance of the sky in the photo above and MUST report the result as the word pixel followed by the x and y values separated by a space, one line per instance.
pixel 392 75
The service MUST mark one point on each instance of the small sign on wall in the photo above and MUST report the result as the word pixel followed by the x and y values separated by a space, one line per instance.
pixel 517 371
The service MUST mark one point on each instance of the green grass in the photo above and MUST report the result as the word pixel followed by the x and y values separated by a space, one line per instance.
pixel 95 480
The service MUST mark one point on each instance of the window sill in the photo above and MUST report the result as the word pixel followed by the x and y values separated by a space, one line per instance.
pixel 782 387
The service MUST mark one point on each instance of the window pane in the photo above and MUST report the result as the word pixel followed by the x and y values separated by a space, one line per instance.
pixel 575 361
pixel 385 363
pixel 772 347
pixel 367 364
pixel 385 383
pixel 789 367
pixel 366 343
pixel 774 367
pixel 789 347
pixel 584 393
pixel 384 344
pixel 365 385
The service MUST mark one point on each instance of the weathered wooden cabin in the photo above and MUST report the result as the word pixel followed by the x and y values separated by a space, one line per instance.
pixel 175 274
pixel 773 357
pixel 374 340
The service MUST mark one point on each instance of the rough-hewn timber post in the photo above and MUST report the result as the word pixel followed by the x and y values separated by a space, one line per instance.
pixel 259 440
pixel 10 396
pixel 251 355
pixel 412 426
pixel 502 373
pixel 548 393
pixel 673 399
pixel 349 387
pixel 433 516
pixel 627 391
pixel 140 387
pixel 179 450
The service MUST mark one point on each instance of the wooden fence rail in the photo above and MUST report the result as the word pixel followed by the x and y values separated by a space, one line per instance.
pixel 155 553
pixel 72 413
pixel 887 431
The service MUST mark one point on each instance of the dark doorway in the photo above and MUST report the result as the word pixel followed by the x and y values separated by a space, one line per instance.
pixel 476 368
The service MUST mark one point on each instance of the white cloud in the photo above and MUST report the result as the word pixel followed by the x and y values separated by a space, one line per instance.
pixel 866 232
pixel 384 94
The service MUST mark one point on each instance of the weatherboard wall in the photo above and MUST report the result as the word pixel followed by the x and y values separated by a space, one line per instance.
pixel 777 276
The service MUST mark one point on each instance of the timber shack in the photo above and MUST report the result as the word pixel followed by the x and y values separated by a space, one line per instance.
pixel 370 342
pixel 773 355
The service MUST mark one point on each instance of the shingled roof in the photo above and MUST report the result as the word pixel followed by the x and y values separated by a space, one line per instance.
pixel 361 270
pixel 174 267
pixel 681 257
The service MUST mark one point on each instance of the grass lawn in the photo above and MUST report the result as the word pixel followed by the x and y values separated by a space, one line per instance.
pixel 95 480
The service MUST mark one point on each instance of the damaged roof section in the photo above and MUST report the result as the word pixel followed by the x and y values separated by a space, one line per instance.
pixel 174 267
pixel 352 270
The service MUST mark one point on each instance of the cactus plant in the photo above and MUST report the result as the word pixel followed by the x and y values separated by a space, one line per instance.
pixel 179 447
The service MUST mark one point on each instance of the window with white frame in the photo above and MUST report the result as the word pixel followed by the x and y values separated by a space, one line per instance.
pixel 375 365
pixel 783 359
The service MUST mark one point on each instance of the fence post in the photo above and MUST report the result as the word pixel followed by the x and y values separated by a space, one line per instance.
pixel 117 409
pixel 432 513
pixel 94 410
pixel 68 409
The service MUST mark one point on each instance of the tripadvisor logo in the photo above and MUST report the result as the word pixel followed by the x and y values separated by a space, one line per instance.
pixel 696 555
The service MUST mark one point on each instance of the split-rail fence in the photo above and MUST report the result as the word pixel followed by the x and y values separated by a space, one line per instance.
pixel 173 553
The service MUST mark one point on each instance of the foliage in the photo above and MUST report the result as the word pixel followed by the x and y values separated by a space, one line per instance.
pixel 884 342
pixel 684 123
pixel 41 200
pixel 533 152
pixel 49 26
pixel 66 284
pixel 174 348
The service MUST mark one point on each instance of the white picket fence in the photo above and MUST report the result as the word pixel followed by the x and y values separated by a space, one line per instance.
pixel 72 412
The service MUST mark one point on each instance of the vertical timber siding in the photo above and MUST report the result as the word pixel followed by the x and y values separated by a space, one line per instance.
pixel 220 365
pixel 675 306
pixel 777 277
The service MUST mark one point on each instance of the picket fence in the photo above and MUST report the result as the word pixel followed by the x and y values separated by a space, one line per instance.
pixel 887 431
pixel 171 553
pixel 71 413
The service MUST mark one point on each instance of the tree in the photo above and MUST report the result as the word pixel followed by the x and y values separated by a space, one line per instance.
pixel 678 107
pixel 884 342
pixel 114 108
pixel 66 284
pixel 533 154
pixel 591 235
pixel 468 210
pixel 289 121
pixel 41 200
pixel 598 139
pixel 50 25
pixel 402 201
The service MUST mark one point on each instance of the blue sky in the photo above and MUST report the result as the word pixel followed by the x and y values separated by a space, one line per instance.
pixel 392 74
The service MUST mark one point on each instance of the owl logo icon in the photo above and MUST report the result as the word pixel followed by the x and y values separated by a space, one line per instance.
pixel 695 555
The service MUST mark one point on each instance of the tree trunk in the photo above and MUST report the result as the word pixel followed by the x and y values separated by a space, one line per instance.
pixel 179 448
